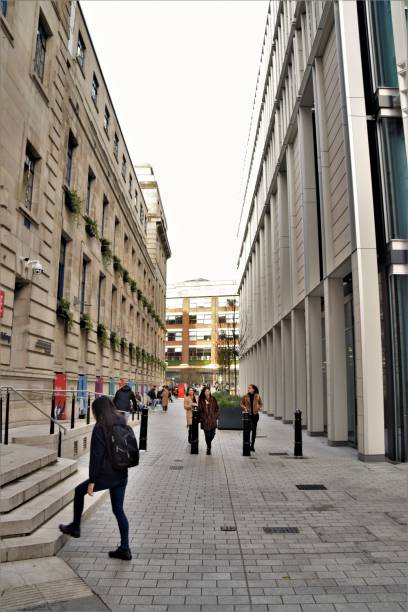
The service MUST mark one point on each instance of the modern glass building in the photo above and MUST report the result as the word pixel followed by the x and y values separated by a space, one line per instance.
pixel 323 261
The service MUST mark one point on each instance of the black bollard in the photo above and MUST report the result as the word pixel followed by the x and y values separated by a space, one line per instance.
pixel 52 414
pixel 194 432
pixel 88 410
pixel 73 410
pixel 143 429
pixel 6 422
pixel 246 435
pixel 298 434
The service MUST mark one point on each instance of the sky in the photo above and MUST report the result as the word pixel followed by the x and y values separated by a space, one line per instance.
pixel 182 77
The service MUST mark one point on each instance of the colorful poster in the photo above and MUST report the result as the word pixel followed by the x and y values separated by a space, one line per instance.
pixel 82 396
pixel 180 391
pixel 60 388
pixel 99 386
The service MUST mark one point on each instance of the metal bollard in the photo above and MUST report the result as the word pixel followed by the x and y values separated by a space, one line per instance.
pixel 88 410
pixel 194 432
pixel 73 411
pixel 246 435
pixel 298 452
pixel 143 429
pixel 59 442
pixel 52 414
pixel 6 422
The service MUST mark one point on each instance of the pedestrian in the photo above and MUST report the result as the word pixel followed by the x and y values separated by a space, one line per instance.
pixel 252 404
pixel 152 395
pixel 165 398
pixel 208 415
pixel 190 403
pixel 125 401
pixel 102 475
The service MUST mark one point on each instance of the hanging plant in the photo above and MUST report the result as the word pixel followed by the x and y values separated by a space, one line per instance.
pixel 106 251
pixel 102 333
pixel 117 265
pixel 64 312
pixel 72 202
pixel 85 322
pixel 91 227
pixel 133 286
pixel 114 340
pixel 132 350
pixel 123 344
pixel 139 294
pixel 125 276
pixel 138 352
pixel 143 355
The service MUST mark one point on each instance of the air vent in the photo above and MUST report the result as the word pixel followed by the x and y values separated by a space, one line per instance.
pixel 228 528
pixel 311 487
pixel 281 529
pixel 84 443
pixel 277 454
pixel 176 467
pixel 75 448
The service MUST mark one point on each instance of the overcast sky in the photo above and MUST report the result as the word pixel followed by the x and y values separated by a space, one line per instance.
pixel 182 78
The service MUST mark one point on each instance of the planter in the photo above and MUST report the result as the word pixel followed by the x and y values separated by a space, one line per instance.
pixel 230 418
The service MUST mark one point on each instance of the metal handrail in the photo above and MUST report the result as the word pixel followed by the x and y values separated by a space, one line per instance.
pixel 34 406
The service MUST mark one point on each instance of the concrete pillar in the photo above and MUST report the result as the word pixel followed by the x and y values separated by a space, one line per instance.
pixel 261 268
pixel 269 374
pixel 299 362
pixel 277 372
pixel 287 371
pixel 268 271
pixel 337 421
pixel 314 358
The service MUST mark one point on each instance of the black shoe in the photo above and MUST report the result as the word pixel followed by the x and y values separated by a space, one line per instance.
pixel 121 553
pixel 253 448
pixel 70 530
pixel 208 451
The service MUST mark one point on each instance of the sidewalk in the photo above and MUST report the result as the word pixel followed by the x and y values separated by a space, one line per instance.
pixel 350 552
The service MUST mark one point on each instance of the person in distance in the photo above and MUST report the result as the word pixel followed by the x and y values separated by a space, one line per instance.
pixel 252 404
pixel 208 415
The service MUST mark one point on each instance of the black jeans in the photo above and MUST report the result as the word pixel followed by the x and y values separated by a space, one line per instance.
pixel 253 419
pixel 209 436
pixel 117 495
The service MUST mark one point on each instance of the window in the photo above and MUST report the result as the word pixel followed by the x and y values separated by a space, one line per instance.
pixel 40 49
pixel 130 184
pixel 174 319
pixel 4 7
pixel 126 243
pixel 115 230
pixel 83 285
pixel 394 162
pixel 106 120
pixel 228 317
pixel 200 334
pixel 113 307
pixel 28 181
pixel 198 354
pixel 174 303
pixel 383 45
pixel 142 215
pixel 124 167
pixel 70 155
pixel 80 51
pixel 201 318
pixel 136 200
pixel 197 302
pixel 174 336
pixel 94 88
pixel 91 178
pixel 61 269
pixel 173 354
pixel 101 286
pixel 105 205
pixel 116 146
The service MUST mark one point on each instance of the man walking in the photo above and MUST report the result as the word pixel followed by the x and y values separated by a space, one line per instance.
pixel 125 400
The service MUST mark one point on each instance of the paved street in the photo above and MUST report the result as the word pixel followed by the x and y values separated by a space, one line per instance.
pixel 350 552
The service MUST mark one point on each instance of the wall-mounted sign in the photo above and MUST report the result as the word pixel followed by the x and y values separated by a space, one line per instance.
pixel 5 337
pixel 43 344
pixel 2 296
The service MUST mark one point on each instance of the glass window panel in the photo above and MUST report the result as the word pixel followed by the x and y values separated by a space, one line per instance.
pixel 394 162
pixel 383 44
pixel 40 49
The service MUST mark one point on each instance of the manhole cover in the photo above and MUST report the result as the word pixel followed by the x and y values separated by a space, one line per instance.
pixel 176 467
pixel 278 454
pixel 228 528
pixel 281 529
pixel 311 487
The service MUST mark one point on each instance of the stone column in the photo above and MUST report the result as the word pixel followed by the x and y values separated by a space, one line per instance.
pixel 337 421
pixel 314 358
pixel 299 362
pixel 287 371
pixel 277 372
pixel 268 271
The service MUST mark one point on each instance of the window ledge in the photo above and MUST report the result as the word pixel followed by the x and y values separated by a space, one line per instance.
pixel 40 88
pixel 81 68
pixel 29 215
pixel 95 104
pixel 6 28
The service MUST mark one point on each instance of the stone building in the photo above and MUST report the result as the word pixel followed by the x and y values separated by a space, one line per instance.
pixel 202 319
pixel 323 263
pixel 83 255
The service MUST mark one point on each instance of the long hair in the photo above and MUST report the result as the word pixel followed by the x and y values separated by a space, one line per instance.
pixel 202 394
pixel 255 388
pixel 104 411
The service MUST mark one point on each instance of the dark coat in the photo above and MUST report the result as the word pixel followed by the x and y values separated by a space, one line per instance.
pixel 208 413
pixel 101 471
pixel 123 398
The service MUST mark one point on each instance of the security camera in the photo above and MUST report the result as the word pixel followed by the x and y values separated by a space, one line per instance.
pixel 36 265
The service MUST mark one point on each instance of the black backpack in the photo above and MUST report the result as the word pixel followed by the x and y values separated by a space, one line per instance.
pixel 124 451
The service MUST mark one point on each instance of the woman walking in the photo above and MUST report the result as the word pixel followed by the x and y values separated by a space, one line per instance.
pixel 165 398
pixel 208 415
pixel 102 475
pixel 190 402
pixel 252 403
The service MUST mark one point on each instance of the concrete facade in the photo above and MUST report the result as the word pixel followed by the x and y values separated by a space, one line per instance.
pixel 202 318
pixel 316 240
pixel 69 195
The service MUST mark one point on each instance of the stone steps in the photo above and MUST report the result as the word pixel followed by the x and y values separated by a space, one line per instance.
pixel 17 460
pixel 20 491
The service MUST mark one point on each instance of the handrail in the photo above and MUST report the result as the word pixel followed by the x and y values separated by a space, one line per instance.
pixel 36 407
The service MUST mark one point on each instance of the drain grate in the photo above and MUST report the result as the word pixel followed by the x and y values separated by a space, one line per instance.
pixel 278 454
pixel 176 467
pixel 311 487
pixel 228 528
pixel 281 529
pixel 177 460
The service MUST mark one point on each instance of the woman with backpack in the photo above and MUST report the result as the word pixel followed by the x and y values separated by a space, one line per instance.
pixel 104 472
pixel 208 411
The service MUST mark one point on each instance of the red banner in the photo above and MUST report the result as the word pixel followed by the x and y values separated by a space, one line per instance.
pixel 60 387
pixel 180 391
pixel 2 296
